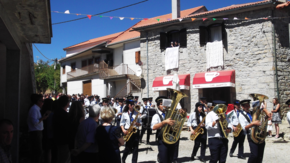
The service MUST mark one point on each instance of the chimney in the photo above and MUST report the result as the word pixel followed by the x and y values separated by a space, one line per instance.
pixel 175 9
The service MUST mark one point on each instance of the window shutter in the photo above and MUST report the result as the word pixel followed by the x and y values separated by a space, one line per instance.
pixel 137 57
pixel 183 37
pixel 224 36
pixel 63 69
pixel 203 35
pixel 163 40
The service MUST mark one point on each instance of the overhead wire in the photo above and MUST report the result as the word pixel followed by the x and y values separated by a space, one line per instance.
pixel 41 53
pixel 100 13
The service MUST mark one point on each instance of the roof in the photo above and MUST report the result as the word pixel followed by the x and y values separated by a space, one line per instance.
pixel 286 4
pixel 228 8
pixel 127 35
pixel 95 41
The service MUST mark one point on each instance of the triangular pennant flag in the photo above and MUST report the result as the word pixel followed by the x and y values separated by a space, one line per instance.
pixel 193 19
pixel 225 18
pixel 213 19
pixel 235 18
pixel 158 19
pixel 111 17
pixel 67 12
pixel 132 18
pixel 101 16
pixel 121 18
pixel 77 14
pixel 180 20
pixel 204 19
pixel 246 18
pixel 144 18
pixel 89 16
pixel 168 19
pixel 265 18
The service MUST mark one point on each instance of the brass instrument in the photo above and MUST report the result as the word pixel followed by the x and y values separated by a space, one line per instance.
pixel 198 130
pixel 220 110
pixel 171 134
pixel 132 129
pixel 237 133
pixel 259 133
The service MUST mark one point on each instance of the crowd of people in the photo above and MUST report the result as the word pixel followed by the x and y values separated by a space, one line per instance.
pixel 84 129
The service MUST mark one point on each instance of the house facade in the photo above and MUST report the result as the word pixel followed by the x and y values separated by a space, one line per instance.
pixel 223 54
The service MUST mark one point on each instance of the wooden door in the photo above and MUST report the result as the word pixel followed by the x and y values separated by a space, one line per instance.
pixel 87 88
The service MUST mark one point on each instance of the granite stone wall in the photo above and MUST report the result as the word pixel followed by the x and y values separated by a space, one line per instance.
pixel 247 50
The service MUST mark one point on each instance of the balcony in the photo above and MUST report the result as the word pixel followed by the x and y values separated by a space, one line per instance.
pixel 87 70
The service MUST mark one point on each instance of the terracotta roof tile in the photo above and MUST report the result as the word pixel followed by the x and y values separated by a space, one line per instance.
pixel 134 34
pixel 286 4
pixel 214 11
pixel 95 41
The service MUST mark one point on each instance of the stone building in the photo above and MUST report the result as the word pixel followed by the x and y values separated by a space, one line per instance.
pixel 21 24
pixel 224 54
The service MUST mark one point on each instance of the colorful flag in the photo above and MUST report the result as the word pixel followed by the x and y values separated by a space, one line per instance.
pixel 132 18
pixel 204 19
pixel 67 12
pixel 193 19
pixel 89 16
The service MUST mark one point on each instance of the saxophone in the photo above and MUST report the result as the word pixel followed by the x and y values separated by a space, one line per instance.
pixel 132 129
pixel 259 133
pixel 239 129
pixel 171 134
pixel 198 130
pixel 220 110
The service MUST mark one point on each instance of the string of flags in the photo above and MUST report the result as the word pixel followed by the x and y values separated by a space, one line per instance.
pixel 166 19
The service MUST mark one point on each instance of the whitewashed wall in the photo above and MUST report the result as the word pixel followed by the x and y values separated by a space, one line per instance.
pixel 99 87
pixel 129 54
pixel 74 87
pixel 118 56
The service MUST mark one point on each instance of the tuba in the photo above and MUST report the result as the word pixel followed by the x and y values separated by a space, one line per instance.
pixel 132 129
pixel 171 134
pixel 220 110
pixel 259 133
pixel 198 130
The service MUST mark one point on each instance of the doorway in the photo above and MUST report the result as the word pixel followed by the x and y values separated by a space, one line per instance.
pixel 87 88
pixel 224 93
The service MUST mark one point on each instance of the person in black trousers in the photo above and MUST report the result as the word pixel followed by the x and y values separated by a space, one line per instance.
pixel 193 122
pixel 145 126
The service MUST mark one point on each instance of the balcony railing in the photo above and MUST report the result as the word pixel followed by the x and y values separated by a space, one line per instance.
pixel 83 71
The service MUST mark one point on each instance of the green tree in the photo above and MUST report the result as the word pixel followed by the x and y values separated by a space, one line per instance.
pixel 54 76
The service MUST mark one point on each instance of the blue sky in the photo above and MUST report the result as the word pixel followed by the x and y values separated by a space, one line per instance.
pixel 68 34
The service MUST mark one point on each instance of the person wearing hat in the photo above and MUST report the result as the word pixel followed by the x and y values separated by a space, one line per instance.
pixel 203 101
pixel 288 114
pixel 120 109
pixel 245 118
pixel 127 118
pixel 136 100
pixel 165 151
pixel 194 120
pixel 149 103
pixel 234 111
pixel 116 103
pixel 217 142
pixel 144 112
pixel 105 103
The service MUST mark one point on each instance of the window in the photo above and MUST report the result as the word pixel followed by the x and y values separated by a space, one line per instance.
pixel 215 32
pixel 90 61
pixel 97 60
pixel 73 67
pixel 180 37
pixel 84 63
pixel 137 57
pixel 63 69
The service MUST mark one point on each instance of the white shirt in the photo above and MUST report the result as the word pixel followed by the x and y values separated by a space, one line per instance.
pixel 214 132
pixel 119 110
pixel 156 119
pixel 244 122
pixel 87 102
pixel 143 110
pixel 33 118
pixel 126 121
pixel 234 118
pixel 192 120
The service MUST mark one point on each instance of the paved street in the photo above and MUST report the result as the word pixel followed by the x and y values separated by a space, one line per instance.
pixel 276 150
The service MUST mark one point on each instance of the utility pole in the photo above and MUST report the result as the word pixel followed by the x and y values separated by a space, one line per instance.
pixel 55 62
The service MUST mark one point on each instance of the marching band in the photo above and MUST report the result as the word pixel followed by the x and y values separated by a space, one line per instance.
pixel 207 124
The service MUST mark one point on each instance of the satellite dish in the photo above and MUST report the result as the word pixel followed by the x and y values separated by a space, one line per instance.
pixel 139 71
pixel 143 83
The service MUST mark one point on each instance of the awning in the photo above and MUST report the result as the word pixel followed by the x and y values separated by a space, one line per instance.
pixel 163 82
pixel 214 79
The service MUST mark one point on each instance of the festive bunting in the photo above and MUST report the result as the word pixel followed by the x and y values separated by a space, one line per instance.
pixel 89 16
pixel 214 19
pixel 158 19
pixel 168 19
pixel 145 18
pixel 67 12
pixel 77 14
pixel 204 19
pixel 265 18
pixel 121 18
pixel 246 18
pixel 180 20
pixel 193 19
pixel 225 18
pixel 235 18
pixel 132 18
pixel 111 17
pixel 101 16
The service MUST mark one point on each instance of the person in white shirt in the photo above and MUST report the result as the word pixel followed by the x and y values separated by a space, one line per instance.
pixel 194 120
pixel 288 114
pixel 105 103
pixel 120 109
pixel 149 102
pixel 128 117
pixel 245 118
pixel 217 141
pixel 145 126
pixel 165 151
pixel 235 111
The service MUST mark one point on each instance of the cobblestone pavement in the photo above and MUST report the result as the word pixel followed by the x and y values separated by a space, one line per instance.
pixel 276 150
